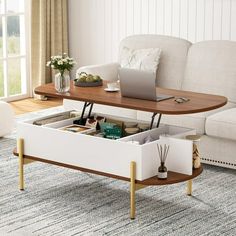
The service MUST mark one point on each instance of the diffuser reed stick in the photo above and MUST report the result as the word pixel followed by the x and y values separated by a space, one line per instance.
pixel 163 152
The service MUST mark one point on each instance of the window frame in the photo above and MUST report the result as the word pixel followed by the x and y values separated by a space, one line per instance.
pixel 27 22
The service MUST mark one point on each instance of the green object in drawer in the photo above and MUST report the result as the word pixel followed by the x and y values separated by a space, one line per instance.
pixel 106 125
pixel 113 132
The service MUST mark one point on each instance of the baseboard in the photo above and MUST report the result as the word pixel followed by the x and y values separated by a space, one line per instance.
pixel 218 163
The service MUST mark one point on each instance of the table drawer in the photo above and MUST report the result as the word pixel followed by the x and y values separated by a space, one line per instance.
pixel 106 155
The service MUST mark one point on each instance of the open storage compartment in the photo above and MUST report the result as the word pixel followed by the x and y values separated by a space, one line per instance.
pixel 180 153
pixel 106 155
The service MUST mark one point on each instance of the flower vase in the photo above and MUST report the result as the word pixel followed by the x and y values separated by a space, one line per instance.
pixel 62 82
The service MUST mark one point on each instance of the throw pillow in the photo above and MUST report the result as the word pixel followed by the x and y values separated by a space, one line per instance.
pixel 146 59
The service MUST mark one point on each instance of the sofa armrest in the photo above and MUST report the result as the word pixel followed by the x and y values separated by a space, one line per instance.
pixel 105 71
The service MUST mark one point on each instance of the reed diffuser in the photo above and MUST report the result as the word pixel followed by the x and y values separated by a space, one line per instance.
pixel 163 152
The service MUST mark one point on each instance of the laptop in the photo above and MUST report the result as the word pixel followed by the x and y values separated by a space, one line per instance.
pixel 139 84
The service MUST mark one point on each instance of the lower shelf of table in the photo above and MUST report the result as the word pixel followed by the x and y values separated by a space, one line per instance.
pixel 173 177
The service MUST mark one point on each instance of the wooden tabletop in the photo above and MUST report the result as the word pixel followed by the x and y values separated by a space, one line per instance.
pixel 199 102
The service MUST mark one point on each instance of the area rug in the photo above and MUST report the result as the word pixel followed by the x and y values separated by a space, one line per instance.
pixel 59 201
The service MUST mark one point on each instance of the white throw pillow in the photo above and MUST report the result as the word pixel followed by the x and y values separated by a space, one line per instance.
pixel 146 59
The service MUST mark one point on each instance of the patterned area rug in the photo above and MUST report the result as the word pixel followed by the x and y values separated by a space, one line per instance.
pixel 59 201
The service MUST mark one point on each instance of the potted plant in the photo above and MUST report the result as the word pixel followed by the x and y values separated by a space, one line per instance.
pixel 63 64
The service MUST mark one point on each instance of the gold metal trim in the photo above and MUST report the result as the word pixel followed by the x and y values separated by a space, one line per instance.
pixel 28 161
pixel 189 187
pixel 140 186
pixel 20 148
pixel 132 189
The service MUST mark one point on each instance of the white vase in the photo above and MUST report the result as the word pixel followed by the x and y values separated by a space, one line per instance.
pixel 62 82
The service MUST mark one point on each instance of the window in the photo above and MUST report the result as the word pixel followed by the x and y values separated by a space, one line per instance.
pixel 13 76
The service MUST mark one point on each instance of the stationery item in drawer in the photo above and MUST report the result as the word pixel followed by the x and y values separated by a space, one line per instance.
pixel 105 125
pixel 119 123
pixel 130 124
pixel 96 133
pixel 91 122
pixel 130 131
pixel 113 132
pixel 143 127
pixel 79 121
pixel 75 114
pixel 77 129
pixel 52 119
pixel 100 118
pixel 101 135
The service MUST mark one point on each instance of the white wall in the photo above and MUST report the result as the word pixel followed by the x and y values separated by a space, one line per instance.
pixel 97 26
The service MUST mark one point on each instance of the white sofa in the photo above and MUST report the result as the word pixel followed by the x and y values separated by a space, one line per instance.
pixel 207 67
pixel 6 119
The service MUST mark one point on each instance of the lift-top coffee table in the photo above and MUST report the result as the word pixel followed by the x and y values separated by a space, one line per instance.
pixel 198 102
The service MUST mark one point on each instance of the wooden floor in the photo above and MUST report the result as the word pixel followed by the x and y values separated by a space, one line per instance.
pixel 31 104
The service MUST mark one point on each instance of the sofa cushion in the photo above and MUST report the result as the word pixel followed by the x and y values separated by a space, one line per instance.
pixel 194 121
pixel 6 118
pixel 145 59
pixel 222 124
pixel 211 68
pixel 173 56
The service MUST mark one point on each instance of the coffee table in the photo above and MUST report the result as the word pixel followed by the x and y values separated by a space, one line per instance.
pixel 198 103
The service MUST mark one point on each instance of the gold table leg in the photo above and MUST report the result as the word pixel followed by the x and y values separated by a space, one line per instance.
pixel 20 149
pixel 132 189
pixel 189 187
